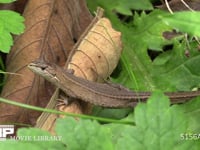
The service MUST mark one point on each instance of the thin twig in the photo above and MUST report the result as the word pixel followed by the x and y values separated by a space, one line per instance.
pixel 186 5
pixel 168 7
pixel 11 73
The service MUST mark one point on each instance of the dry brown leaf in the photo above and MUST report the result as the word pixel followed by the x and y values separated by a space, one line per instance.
pixel 98 53
pixel 51 27
pixel 47 121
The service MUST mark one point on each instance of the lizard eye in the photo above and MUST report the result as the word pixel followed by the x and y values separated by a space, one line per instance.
pixel 43 68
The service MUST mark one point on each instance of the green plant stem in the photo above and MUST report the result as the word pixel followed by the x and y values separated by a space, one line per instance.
pixel 106 120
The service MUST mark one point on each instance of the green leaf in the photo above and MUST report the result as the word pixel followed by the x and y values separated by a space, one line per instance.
pixel 121 6
pixel 192 109
pixel 187 22
pixel 12 25
pixel 125 6
pixel 5 41
pixel 83 134
pixel 148 30
pixel 178 71
pixel 15 22
pixel 15 145
pixel 111 113
pixel 6 1
pixel 158 126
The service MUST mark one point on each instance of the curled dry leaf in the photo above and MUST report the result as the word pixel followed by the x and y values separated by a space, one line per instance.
pixel 98 53
pixel 51 27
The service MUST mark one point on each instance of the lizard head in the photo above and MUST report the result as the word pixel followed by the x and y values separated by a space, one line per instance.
pixel 44 69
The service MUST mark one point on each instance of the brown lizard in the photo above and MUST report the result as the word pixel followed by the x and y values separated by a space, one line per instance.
pixel 100 94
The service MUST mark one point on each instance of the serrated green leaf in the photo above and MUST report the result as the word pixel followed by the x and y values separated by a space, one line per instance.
pixel 178 70
pixel 192 111
pixel 12 25
pixel 83 134
pixel 187 22
pixel 148 30
pixel 158 126
pixel 6 1
pixel 6 41
pixel 15 22
pixel 125 6
pixel 121 6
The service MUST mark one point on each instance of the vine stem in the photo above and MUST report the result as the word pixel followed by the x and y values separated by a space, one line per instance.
pixel 106 120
